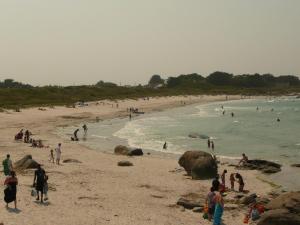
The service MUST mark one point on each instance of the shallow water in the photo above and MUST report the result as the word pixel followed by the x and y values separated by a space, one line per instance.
pixel 254 132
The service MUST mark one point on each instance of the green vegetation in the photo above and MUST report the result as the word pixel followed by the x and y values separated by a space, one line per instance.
pixel 17 95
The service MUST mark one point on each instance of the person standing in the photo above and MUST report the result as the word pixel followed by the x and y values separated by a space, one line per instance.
pixel 7 165
pixel 212 146
pixel 232 180
pixel 85 129
pixel 208 143
pixel 219 208
pixel 10 192
pixel 39 182
pixel 58 153
pixel 223 177
pixel 165 145
pixel 240 181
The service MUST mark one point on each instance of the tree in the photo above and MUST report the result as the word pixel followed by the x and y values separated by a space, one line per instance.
pixel 220 78
pixel 155 81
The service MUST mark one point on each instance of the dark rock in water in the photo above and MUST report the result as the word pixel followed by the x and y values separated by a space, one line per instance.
pixel 295 165
pixel 125 163
pixel 123 150
pixel 262 165
pixel 188 204
pixel 196 135
pixel 199 164
pixel 26 163
pixel 71 161
pixel 284 209
pixel 135 152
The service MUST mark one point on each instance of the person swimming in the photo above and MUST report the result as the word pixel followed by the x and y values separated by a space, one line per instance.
pixel 165 145
pixel 278 120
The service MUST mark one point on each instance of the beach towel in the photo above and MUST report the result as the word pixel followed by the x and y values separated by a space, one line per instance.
pixel 218 214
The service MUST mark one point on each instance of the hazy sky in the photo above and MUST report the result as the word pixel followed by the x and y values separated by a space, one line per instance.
pixel 84 41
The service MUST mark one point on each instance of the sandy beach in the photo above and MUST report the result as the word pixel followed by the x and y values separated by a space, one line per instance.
pixel 97 191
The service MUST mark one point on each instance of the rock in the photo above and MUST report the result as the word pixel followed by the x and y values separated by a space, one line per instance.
pixel 198 209
pixel 295 165
pixel 289 200
pixel 26 163
pixel 188 204
pixel 71 161
pixel 262 165
pixel 199 164
pixel 284 209
pixel 248 199
pixel 135 152
pixel 196 135
pixel 123 150
pixel 125 163
pixel 279 217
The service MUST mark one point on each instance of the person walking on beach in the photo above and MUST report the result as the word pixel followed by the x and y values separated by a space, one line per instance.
pixel 10 192
pixel 58 153
pixel 39 181
pixel 208 143
pixel 240 181
pixel 51 156
pixel 7 165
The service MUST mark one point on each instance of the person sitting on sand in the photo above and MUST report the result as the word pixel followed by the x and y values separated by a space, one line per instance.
pixel 243 160
pixel 19 136
pixel 40 143
pixel 240 181
pixel 34 143
pixel 75 135
pixel 232 180
pixel 39 181
pixel 10 192
pixel 7 165
pixel 210 203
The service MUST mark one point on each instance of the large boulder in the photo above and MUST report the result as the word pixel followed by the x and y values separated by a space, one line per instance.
pixel 199 164
pixel 26 163
pixel 262 165
pixel 284 209
pixel 123 150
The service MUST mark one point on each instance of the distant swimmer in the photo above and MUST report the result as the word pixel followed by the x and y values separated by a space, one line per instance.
pixel 278 120
pixel 165 145
pixel 222 107
pixel 223 112
pixel 272 110
pixel 257 108
pixel 232 114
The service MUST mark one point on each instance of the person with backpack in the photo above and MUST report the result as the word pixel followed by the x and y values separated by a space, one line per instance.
pixel 39 182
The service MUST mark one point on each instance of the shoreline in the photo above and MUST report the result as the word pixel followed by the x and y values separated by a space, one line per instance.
pixel 96 190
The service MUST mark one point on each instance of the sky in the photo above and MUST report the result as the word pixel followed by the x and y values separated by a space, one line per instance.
pixel 67 42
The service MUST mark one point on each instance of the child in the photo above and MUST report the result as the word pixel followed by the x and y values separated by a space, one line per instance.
pixel 51 156
pixel 46 188
pixel 232 181
pixel 223 177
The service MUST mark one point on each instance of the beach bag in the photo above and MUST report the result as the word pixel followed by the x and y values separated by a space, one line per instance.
pixel 33 192
pixel 255 214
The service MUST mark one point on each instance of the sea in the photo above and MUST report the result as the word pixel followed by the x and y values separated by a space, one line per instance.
pixel 261 128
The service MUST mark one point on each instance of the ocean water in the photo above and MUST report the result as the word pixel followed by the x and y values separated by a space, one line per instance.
pixel 254 130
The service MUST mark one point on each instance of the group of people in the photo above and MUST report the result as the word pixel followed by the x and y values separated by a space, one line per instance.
pixel 11 181
pixel 27 139
pixel 211 144
pixel 214 200
pixel 75 134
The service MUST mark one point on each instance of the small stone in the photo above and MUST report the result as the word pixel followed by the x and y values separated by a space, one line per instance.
pixel 125 163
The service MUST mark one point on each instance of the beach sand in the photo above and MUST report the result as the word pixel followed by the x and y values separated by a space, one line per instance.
pixel 97 191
